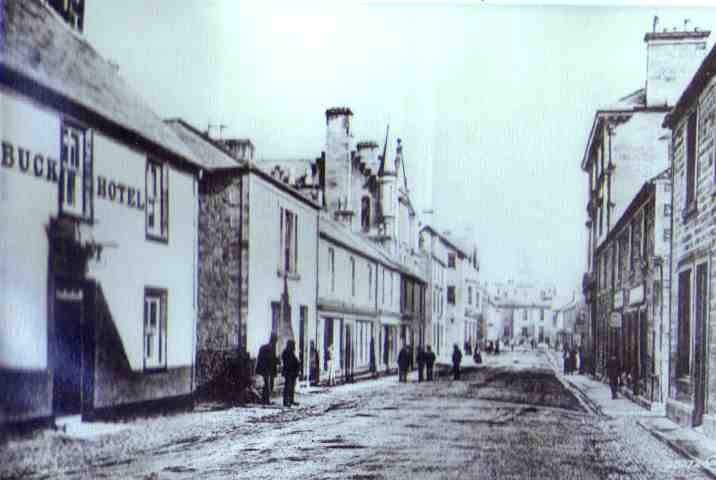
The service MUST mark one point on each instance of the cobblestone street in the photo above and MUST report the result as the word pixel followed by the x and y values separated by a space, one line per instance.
pixel 511 418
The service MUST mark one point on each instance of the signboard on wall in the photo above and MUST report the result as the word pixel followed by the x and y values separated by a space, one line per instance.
pixel 619 299
pixel 615 320
pixel 636 295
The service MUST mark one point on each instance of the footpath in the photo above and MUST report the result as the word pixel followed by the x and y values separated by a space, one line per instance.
pixel 689 442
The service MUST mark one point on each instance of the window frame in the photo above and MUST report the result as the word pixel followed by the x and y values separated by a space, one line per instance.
pixel 288 241
pixel 161 295
pixel 691 161
pixel 84 185
pixel 160 233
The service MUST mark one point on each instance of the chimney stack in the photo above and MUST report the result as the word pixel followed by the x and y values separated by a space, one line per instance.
pixel 672 57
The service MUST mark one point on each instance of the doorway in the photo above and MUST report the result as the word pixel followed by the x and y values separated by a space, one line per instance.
pixel 67 365
pixel 700 352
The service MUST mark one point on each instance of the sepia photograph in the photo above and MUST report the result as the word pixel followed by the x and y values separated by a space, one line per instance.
pixel 368 239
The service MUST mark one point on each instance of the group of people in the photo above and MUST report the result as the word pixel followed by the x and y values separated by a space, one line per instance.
pixel 267 364
pixel 572 360
pixel 425 359
pixel 267 367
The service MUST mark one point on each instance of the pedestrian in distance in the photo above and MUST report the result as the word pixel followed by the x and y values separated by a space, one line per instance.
pixel 330 366
pixel 613 375
pixel 565 360
pixel 497 347
pixel 403 364
pixel 291 370
pixel 267 366
pixel 573 361
pixel 477 356
pixel 315 364
pixel 429 363
pixel 456 360
pixel 421 363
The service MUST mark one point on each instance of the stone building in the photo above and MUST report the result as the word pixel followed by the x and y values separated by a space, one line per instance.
pixel 691 400
pixel 525 310
pixel 257 259
pixel 99 197
pixel 627 146
pixel 633 288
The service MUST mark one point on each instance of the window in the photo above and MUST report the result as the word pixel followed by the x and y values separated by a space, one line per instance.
pixel 275 316
pixel 469 295
pixel 157 206
pixel 365 214
pixel 524 314
pixel 289 241
pixel 370 282
pixel 451 260
pixel 155 328
pixel 353 276
pixel 691 171
pixel 332 267
pixel 75 185
pixel 392 284
pixel 541 315
pixel 451 295
pixel 684 339
pixel 383 288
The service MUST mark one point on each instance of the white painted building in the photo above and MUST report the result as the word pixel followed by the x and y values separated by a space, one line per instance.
pixel 99 235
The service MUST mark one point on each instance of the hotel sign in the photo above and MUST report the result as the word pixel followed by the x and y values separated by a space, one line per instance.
pixel 50 169
pixel 619 299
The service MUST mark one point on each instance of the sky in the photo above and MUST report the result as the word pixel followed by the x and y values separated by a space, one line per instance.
pixel 493 101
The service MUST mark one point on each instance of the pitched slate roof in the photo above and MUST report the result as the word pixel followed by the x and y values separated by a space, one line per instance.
pixel 342 235
pixel 44 56
pixel 205 150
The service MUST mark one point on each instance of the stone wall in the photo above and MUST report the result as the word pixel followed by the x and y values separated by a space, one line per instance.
pixel 220 263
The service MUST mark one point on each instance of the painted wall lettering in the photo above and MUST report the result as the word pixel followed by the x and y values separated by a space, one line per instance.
pixel 48 168
pixel 119 192
pixel 23 159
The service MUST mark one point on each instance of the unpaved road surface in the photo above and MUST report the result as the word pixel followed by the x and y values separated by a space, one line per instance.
pixel 511 418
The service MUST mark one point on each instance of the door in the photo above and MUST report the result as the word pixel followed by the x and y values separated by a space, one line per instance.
pixel 349 354
pixel 700 345
pixel 67 358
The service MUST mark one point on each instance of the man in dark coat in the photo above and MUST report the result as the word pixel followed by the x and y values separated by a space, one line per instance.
pixel 266 366
pixel 429 362
pixel 291 370
pixel 403 364
pixel 315 364
pixel 421 363
pixel 613 374
pixel 456 359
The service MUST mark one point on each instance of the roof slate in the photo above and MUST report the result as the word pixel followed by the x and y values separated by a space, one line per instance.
pixel 204 149
pixel 38 45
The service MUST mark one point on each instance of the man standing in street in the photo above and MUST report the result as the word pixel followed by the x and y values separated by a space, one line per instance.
pixel 403 364
pixel 429 362
pixel 291 369
pixel 613 374
pixel 266 366
pixel 421 363
pixel 456 360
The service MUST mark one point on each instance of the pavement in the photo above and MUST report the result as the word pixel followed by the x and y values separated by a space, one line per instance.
pixel 689 442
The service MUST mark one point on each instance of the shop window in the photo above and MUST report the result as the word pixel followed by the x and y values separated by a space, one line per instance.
pixel 155 329
pixel 75 185
pixel 157 206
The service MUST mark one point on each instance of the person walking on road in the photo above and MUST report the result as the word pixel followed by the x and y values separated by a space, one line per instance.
pixel 429 362
pixel 613 375
pixel 330 366
pixel 403 364
pixel 315 365
pixel 421 363
pixel 266 366
pixel 291 370
pixel 456 359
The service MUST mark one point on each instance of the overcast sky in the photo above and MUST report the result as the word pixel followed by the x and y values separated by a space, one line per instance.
pixel 493 102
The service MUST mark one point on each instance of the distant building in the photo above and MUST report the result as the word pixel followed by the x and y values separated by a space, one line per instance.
pixel 525 310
